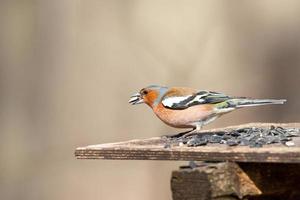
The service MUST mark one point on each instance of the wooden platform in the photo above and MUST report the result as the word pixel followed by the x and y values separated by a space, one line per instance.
pixel 154 149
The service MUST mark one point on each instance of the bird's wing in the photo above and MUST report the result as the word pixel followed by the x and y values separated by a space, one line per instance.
pixel 200 97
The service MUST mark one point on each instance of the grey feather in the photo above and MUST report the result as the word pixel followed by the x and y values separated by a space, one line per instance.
pixel 257 102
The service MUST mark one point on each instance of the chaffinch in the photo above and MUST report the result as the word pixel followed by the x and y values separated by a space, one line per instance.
pixel 183 107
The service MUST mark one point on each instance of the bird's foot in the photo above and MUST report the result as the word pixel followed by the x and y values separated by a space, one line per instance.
pixel 191 133
pixel 177 135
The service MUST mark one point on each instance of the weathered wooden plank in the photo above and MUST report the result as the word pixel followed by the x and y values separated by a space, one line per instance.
pixel 154 149
pixel 226 180
pixel 212 181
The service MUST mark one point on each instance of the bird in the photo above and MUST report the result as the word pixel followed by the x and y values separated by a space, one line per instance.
pixel 184 107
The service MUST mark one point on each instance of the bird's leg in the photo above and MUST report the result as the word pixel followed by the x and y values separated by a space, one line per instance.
pixel 186 133
pixel 196 130
pixel 178 135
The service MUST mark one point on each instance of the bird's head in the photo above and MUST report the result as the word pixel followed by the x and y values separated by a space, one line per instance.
pixel 150 95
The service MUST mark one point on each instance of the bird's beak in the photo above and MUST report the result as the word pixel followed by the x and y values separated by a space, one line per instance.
pixel 136 99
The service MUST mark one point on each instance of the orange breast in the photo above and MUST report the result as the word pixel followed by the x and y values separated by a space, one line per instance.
pixel 183 118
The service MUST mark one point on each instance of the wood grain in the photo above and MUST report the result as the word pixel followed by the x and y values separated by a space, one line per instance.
pixel 227 180
pixel 212 181
pixel 154 149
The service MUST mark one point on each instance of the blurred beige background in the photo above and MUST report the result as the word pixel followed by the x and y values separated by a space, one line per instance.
pixel 69 67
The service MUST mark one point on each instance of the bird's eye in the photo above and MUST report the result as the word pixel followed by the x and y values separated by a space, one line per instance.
pixel 144 92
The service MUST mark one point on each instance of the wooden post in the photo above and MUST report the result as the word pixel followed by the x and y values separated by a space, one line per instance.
pixel 229 181
pixel 213 181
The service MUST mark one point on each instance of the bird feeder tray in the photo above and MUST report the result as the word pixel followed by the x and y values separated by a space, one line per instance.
pixel 159 148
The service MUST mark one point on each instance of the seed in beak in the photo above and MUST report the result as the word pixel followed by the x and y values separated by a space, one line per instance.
pixel 136 99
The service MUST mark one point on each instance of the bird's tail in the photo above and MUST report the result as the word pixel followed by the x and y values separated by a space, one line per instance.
pixel 240 103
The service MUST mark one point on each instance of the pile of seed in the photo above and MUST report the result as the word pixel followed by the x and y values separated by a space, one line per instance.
pixel 253 137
